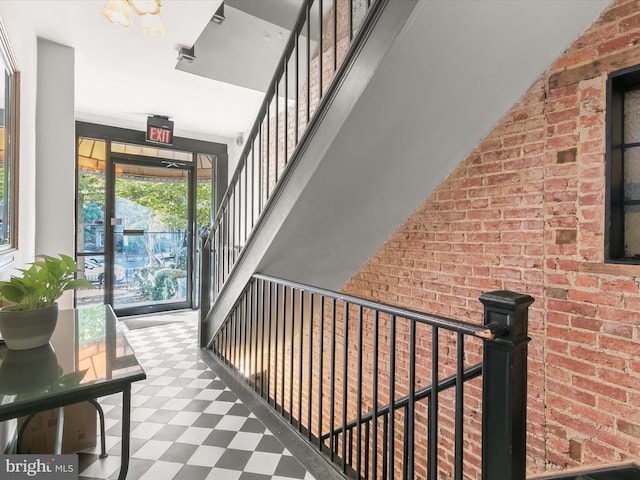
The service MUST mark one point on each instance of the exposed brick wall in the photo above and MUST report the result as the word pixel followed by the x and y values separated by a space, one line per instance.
pixel 525 212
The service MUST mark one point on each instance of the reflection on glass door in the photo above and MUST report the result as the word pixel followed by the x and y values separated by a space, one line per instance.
pixel 151 238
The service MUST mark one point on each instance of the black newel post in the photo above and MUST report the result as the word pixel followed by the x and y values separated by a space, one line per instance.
pixel 205 286
pixel 504 390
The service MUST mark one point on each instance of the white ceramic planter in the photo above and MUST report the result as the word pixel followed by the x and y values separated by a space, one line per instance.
pixel 24 329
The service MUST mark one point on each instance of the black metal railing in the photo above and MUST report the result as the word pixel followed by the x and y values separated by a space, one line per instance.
pixel 356 378
pixel 320 45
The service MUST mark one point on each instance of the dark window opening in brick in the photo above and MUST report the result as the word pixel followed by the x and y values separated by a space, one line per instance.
pixel 622 235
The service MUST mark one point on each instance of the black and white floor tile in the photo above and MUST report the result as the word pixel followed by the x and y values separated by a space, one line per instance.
pixel 186 424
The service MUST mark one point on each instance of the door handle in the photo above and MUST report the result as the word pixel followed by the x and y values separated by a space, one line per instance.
pixel 135 233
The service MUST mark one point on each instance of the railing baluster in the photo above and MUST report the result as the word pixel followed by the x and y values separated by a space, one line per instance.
pixel 459 425
pixel 320 48
pixel 269 341
pixel 432 460
pixel 332 401
pixel 367 437
pixel 350 21
pixel 276 337
pixel 297 87
pixel 359 397
pixel 392 394
pixel 385 447
pixel 291 351
pixel 300 356
pixel 374 394
pixel 276 131
pixel 308 20
pixel 335 35
pixel 345 382
pixel 432 465
pixel 409 446
pixel 268 148
pixel 262 337
pixel 310 370
pixel 284 348
pixel 321 372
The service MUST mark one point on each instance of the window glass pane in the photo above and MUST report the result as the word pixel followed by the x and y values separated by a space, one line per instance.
pixel 632 230
pixel 632 116
pixel 632 174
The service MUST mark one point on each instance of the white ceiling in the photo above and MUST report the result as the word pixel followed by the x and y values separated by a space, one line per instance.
pixel 123 75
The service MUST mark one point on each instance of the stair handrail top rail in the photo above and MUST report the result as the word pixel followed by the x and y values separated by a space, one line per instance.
pixel 486 332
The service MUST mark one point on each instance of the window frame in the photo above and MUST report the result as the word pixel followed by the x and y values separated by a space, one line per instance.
pixel 618 84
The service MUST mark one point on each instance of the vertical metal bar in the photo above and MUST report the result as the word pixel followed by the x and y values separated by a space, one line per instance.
pixel 253 185
pixel 310 370
pixel 350 22
pixel 276 143
pixel 308 113
pixel 300 356
pixel 459 427
pixel 238 214
pixel 262 337
pixel 367 442
pixel 297 87
pixel 392 394
pixel 321 49
pixel 345 371
pixel 359 398
pixel 250 336
pixel 286 112
pixel 224 251
pixel 269 340
pixel 276 336
pixel 374 395
pixel 205 287
pixel 238 335
pixel 385 446
pixel 335 35
pixel 233 230
pixel 246 200
pixel 332 401
pixel 291 346
pixel 268 151
pixel 284 348
pixel 320 371
pixel 432 455
pixel 411 407
pixel 261 166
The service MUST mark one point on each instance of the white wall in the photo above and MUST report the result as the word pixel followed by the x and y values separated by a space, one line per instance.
pixel 55 153
pixel 23 40
pixel 55 150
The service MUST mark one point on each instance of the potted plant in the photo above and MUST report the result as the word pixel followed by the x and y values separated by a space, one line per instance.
pixel 29 321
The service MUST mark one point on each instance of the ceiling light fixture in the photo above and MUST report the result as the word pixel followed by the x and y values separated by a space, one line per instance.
pixel 119 11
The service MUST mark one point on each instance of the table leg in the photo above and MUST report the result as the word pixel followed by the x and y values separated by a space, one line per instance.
pixel 103 441
pixel 126 432
pixel 57 446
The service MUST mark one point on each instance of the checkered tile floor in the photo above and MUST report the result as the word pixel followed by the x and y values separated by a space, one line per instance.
pixel 186 424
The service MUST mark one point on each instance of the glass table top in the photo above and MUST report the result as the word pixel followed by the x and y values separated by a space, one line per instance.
pixel 88 353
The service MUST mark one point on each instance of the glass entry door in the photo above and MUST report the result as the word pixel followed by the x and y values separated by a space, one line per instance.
pixel 149 259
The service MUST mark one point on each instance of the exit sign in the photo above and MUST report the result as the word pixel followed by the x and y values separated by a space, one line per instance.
pixel 159 130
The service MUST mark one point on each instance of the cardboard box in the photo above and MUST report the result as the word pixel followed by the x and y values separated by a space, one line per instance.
pixel 79 432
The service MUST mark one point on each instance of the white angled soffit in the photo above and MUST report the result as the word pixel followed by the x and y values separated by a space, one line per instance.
pixel 456 68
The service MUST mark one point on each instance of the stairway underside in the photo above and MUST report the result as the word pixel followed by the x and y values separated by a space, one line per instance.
pixel 430 82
